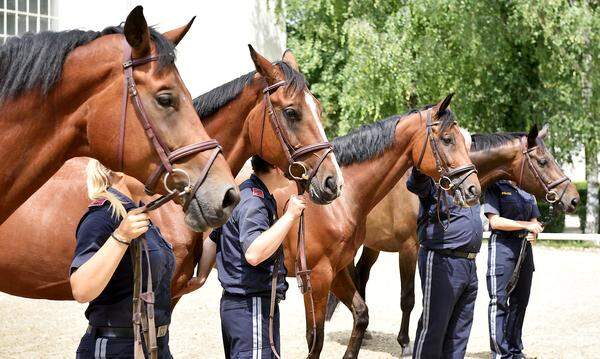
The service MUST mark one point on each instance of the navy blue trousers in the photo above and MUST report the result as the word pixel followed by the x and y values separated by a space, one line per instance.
pixel 506 313
pixel 95 347
pixel 449 288
pixel 245 327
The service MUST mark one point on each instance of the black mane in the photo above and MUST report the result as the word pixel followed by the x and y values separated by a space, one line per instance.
pixel 488 141
pixel 371 140
pixel 210 102
pixel 36 60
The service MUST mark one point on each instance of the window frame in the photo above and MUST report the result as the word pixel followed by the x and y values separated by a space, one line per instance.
pixel 51 19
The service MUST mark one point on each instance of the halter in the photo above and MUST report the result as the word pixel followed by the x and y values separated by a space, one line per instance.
pixel 297 170
pixel 551 195
pixel 167 157
pixel 449 178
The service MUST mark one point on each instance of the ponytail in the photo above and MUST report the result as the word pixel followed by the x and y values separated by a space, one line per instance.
pixel 98 180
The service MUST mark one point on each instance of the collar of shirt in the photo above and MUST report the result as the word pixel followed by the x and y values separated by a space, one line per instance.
pixel 127 202
pixel 260 185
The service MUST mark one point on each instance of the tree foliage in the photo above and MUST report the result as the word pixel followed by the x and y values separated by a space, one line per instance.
pixel 511 63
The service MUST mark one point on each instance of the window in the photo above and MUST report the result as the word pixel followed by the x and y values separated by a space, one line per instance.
pixel 20 16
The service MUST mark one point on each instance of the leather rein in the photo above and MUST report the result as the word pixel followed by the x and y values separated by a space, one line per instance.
pixel 449 177
pixel 299 173
pixel 143 319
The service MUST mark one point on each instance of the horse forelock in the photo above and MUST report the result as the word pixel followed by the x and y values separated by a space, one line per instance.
pixel 35 61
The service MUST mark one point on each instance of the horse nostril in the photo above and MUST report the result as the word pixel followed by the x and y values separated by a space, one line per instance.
pixel 232 197
pixel 574 202
pixel 330 184
pixel 473 191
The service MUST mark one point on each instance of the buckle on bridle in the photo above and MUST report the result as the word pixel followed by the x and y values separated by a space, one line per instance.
pixel 298 171
pixel 186 189
pixel 445 183
pixel 551 197
pixel 127 64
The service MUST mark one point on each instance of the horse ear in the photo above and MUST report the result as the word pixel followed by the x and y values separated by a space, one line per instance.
pixel 544 132
pixel 263 66
pixel 445 103
pixel 532 136
pixel 137 33
pixel 177 34
pixel 290 59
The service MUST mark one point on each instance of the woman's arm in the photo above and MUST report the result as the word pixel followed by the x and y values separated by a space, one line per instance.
pixel 207 261
pixel 90 279
pixel 505 224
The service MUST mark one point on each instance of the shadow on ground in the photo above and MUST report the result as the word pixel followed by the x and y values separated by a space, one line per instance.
pixel 380 342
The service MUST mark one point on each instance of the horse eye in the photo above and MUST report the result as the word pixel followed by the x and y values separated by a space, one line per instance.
pixel 290 114
pixel 542 161
pixel 165 100
pixel 447 140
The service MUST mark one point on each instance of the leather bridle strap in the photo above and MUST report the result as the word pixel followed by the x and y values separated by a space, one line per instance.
pixel 550 195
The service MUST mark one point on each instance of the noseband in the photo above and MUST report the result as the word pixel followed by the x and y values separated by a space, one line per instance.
pixel 167 157
pixel 551 195
pixel 297 170
pixel 449 177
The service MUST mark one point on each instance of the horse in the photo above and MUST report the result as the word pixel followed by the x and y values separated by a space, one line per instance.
pixel 373 159
pixel 57 98
pixel 234 114
pixel 392 224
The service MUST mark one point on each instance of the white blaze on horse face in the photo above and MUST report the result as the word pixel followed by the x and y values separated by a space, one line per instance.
pixel 312 104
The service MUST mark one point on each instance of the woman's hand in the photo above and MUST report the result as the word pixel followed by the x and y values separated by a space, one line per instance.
pixel 531 237
pixel 295 206
pixel 132 226
pixel 534 227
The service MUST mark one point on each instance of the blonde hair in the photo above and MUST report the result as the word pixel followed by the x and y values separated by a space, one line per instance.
pixel 98 180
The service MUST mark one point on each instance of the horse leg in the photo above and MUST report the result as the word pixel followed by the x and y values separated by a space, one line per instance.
pixel 407 261
pixel 343 287
pixel 363 268
pixel 321 283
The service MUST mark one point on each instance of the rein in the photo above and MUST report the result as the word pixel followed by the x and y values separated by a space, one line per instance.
pixel 143 319
pixel 298 172
pixel 449 178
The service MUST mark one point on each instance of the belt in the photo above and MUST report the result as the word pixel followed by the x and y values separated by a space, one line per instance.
pixel 455 253
pixel 122 332
pixel 511 235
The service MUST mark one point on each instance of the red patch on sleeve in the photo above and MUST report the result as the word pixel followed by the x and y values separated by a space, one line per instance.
pixel 98 202
pixel 258 193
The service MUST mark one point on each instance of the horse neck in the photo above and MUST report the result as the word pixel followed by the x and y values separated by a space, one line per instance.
pixel 41 132
pixel 229 125
pixel 498 163
pixel 369 181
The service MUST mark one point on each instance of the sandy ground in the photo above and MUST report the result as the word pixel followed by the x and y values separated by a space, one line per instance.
pixel 563 320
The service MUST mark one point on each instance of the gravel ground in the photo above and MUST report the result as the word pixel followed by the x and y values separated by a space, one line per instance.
pixel 562 320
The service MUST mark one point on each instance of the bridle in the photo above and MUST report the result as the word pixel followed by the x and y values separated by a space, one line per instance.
pixel 551 196
pixel 297 170
pixel 299 173
pixel 143 320
pixel 167 157
pixel 449 177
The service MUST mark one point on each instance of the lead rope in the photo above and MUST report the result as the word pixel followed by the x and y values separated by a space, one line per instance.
pixel 303 278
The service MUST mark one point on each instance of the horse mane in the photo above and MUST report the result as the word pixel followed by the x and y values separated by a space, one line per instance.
pixel 371 140
pixel 488 141
pixel 210 102
pixel 36 60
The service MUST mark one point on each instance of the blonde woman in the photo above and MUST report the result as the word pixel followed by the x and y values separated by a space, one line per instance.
pixel 102 271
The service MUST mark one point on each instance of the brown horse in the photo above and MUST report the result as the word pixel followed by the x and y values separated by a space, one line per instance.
pixel 233 113
pixel 374 158
pixel 392 224
pixel 62 95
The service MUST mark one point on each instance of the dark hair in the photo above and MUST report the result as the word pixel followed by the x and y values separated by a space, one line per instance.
pixel 260 166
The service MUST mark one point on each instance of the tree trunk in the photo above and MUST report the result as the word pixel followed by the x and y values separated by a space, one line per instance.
pixel 591 175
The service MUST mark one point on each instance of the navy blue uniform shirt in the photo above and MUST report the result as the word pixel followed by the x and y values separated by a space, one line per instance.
pixel 113 307
pixel 464 230
pixel 509 201
pixel 255 213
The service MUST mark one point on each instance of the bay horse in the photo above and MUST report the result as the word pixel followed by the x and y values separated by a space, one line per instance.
pixel 373 159
pixel 234 114
pixel 392 224
pixel 59 98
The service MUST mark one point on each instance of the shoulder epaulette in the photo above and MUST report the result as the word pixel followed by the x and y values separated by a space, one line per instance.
pixel 98 202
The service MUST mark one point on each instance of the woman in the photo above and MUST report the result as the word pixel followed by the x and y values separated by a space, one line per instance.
pixel 102 271
pixel 513 215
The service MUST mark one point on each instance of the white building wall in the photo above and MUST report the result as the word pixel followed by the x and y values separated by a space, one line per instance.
pixel 213 52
